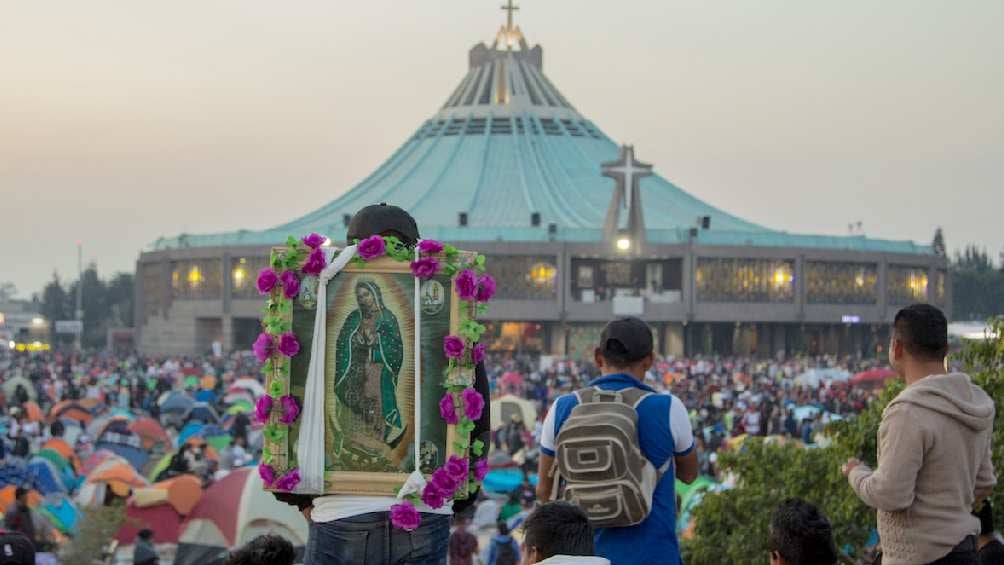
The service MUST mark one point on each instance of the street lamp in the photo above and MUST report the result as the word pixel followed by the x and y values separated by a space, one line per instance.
pixel 623 243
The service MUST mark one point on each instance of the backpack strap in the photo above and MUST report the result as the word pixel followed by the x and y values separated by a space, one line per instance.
pixel 630 396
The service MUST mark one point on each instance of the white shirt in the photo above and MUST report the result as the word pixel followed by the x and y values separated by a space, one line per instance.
pixel 337 507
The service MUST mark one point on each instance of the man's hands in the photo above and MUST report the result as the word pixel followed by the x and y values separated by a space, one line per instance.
pixel 849 466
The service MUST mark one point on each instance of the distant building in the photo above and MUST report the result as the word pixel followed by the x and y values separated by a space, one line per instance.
pixel 21 324
pixel 575 229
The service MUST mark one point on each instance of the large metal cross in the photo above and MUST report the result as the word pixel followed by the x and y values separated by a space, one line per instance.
pixel 509 7
pixel 626 172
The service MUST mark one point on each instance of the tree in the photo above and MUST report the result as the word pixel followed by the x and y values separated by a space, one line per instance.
pixel 939 243
pixel 7 291
pixel 105 304
pixel 731 526
pixel 977 288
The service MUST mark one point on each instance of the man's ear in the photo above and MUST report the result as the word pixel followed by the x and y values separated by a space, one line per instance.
pixel 776 559
pixel 598 358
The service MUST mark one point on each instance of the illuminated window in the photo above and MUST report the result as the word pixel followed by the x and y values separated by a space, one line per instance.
pixel 243 274
pixel 524 277
pixel 197 279
pixel 841 283
pixel 745 280
pixel 906 285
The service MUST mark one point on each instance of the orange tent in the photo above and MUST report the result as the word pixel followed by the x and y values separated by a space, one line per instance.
pixel 33 412
pixel 182 493
pixel 60 446
pixel 8 493
pixel 70 410
pixel 149 430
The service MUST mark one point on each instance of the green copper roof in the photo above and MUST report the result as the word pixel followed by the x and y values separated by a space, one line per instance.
pixel 507 145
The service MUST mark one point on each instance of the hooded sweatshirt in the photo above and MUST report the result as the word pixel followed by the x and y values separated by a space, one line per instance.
pixel 933 463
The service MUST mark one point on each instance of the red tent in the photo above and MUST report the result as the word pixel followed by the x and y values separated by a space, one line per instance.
pixel 162 519
pixel 873 377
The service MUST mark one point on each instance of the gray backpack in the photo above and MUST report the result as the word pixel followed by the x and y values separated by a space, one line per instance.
pixel 600 461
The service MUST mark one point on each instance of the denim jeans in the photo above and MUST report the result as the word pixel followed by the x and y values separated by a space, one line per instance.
pixel 370 539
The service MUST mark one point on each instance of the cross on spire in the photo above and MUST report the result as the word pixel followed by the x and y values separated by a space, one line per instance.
pixel 509 7
pixel 626 172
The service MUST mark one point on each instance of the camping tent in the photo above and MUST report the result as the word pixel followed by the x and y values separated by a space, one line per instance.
pixel 813 377
pixel 202 412
pixel 70 410
pixel 10 387
pixel 119 439
pixel 150 431
pixel 232 512
pixel 505 407
pixel 873 378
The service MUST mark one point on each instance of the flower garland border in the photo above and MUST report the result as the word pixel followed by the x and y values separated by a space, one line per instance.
pixel 460 406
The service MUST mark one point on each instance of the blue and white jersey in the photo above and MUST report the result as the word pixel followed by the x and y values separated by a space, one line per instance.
pixel 664 431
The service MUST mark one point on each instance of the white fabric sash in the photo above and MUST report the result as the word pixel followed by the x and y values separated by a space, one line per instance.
pixel 310 444
pixel 416 481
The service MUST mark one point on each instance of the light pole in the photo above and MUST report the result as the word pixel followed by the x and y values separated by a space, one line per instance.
pixel 79 314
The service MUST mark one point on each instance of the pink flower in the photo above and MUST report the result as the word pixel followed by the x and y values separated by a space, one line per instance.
pixel 289 481
pixel 429 246
pixel 432 497
pixel 444 482
pixel 425 268
pixel 457 467
pixel 263 347
pixel 290 409
pixel 288 345
pixel 474 404
pixel 404 516
pixel 372 247
pixel 266 281
pixel 267 474
pixel 290 284
pixel 263 408
pixel 480 470
pixel 314 240
pixel 453 346
pixel 315 262
pixel 478 353
pixel 448 410
pixel 467 285
pixel 486 288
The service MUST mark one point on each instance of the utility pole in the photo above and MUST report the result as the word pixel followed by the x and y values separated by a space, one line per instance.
pixel 80 291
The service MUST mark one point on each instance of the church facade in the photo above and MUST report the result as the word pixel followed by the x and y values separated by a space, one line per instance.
pixel 576 231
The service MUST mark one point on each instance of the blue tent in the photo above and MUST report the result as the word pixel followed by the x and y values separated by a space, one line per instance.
pixel 45 477
pixel 177 402
pixel 506 480
pixel 136 456
pixel 203 413
pixel 206 396
pixel 61 511
pixel 191 429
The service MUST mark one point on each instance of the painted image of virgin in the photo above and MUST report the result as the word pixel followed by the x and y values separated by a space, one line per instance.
pixel 370 355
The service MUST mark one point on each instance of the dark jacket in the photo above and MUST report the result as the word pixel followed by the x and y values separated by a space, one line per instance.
pixel 482 431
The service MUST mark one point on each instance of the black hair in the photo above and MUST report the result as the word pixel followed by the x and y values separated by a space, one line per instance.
pixel 559 528
pixel 502 527
pixel 923 330
pixel 616 355
pixel 57 429
pixel 145 533
pixel 264 550
pixel 801 534
pixel 986 516
pixel 21 491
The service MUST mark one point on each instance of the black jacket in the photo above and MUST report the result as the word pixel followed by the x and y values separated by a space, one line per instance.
pixel 482 431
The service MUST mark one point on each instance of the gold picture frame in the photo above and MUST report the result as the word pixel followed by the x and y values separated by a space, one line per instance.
pixel 369 401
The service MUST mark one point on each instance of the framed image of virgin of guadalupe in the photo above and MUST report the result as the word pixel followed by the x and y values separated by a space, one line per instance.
pixel 372 338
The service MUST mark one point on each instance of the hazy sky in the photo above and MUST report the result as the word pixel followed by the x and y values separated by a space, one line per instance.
pixel 122 121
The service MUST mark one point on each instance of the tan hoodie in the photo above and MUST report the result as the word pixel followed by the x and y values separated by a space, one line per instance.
pixel 933 463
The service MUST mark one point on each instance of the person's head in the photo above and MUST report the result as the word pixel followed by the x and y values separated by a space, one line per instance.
pixel 146 534
pixel 556 528
pixel 21 496
pixel 919 336
pixel 626 346
pixel 264 550
pixel 502 527
pixel 57 429
pixel 366 296
pixel 16 549
pixel 382 219
pixel 986 516
pixel 800 535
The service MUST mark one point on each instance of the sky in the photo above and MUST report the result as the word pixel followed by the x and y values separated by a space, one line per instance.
pixel 123 121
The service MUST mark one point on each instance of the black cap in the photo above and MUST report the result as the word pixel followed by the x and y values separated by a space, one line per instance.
pixel 16 549
pixel 628 339
pixel 380 219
